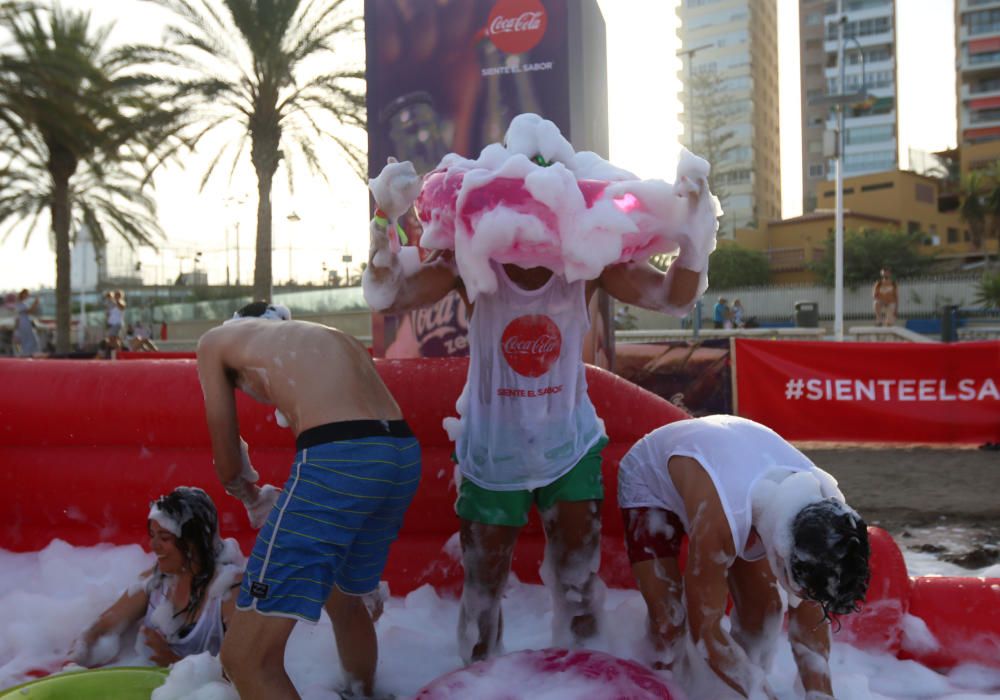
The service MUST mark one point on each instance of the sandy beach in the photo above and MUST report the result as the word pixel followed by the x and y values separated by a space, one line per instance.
pixel 939 499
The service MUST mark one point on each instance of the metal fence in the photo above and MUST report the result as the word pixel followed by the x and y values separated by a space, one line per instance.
pixel 918 298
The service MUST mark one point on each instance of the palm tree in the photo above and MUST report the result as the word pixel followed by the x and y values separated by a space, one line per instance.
pixel 79 132
pixel 258 66
pixel 973 207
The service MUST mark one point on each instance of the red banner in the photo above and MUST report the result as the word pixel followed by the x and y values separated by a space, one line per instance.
pixel 882 392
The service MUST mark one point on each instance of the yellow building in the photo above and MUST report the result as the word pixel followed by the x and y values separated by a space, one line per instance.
pixel 897 200
pixel 793 245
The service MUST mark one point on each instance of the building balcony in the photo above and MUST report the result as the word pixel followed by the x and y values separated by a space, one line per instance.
pixel 967 5
pixel 980 63
pixel 966 93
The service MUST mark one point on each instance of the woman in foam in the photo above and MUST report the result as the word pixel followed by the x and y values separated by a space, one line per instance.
pixel 764 525
pixel 185 600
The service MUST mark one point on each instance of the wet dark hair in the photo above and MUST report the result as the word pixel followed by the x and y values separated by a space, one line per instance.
pixel 195 512
pixel 253 310
pixel 829 559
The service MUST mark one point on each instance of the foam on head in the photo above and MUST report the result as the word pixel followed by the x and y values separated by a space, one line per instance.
pixel 535 202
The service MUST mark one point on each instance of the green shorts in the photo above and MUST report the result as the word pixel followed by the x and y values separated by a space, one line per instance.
pixel 581 483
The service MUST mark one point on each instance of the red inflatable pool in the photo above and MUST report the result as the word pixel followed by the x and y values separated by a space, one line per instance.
pixel 85 446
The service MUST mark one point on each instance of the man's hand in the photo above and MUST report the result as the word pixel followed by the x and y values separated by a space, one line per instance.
pixel 258 501
pixel 261 508
pixel 395 188
pixel 698 225
pixel 161 653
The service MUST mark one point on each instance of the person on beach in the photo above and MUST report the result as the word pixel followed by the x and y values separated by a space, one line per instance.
pixel 24 329
pixel 186 600
pixel 326 535
pixel 885 294
pixel 758 515
pixel 529 435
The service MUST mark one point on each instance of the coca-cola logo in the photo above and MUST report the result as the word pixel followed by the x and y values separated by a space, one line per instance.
pixel 530 344
pixel 516 26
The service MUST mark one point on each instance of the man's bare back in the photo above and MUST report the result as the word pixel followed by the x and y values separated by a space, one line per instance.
pixel 312 373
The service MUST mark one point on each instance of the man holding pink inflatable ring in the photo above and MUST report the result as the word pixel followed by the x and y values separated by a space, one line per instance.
pixel 527 266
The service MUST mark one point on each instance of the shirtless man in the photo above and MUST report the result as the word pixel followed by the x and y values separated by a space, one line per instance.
pixel 758 514
pixel 886 298
pixel 326 535
pixel 530 435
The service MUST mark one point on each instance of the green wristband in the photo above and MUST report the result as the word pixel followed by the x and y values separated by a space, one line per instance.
pixel 383 222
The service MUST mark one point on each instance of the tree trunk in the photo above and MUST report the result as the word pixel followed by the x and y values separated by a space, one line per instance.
pixel 262 277
pixel 61 167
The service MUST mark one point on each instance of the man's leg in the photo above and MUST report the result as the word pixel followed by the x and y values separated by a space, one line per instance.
pixel 253 654
pixel 653 539
pixel 757 609
pixel 357 644
pixel 572 557
pixel 661 586
pixel 486 555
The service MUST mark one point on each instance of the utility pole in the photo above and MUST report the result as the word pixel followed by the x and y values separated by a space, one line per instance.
pixel 689 53
pixel 838 240
pixel 833 147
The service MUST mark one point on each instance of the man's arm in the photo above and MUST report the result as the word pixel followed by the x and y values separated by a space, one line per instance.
pixel 809 635
pixel 390 285
pixel 220 409
pixel 672 292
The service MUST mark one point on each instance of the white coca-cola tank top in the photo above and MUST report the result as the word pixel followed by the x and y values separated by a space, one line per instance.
pixel 736 453
pixel 526 416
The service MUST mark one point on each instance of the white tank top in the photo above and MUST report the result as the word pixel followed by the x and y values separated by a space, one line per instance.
pixel 735 452
pixel 526 416
pixel 205 635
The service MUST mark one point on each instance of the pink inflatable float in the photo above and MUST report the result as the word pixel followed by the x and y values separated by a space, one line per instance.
pixel 550 673
pixel 534 201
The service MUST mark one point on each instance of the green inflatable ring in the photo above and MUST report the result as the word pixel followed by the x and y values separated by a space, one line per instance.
pixel 116 683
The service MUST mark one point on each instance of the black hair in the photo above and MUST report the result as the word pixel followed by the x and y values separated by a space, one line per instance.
pixel 253 310
pixel 194 511
pixel 829 560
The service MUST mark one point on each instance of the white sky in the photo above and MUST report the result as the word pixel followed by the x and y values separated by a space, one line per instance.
pixel 644 125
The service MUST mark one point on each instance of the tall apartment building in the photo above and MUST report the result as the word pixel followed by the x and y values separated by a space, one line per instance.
pixel 977 43
pixel 870 123
pixel 729 50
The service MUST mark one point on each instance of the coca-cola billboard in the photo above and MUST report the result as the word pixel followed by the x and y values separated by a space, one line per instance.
pixel 516 26
pixel 449 77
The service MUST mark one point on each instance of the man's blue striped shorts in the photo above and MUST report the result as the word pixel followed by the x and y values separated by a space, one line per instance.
pixel 339 512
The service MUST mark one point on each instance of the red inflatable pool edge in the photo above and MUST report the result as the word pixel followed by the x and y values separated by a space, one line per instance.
pixel 136 430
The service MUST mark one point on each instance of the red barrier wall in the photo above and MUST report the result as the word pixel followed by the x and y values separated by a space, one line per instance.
pixel 85 446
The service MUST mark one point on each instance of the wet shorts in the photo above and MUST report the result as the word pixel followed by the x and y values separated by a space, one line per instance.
pixel 652 533
pixel 581 483
pixel 341 508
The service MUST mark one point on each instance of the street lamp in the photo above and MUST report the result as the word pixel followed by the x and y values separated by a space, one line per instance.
pixel 293 218
pixel 834 148
pixel 696 321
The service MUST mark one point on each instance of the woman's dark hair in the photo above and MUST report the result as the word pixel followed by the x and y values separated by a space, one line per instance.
pixel 194 511
pixel 829 560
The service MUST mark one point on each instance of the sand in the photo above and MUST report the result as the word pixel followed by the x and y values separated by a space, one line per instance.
pixel 943 500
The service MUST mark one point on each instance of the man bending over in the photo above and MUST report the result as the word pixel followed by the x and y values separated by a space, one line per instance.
pixel 758 514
